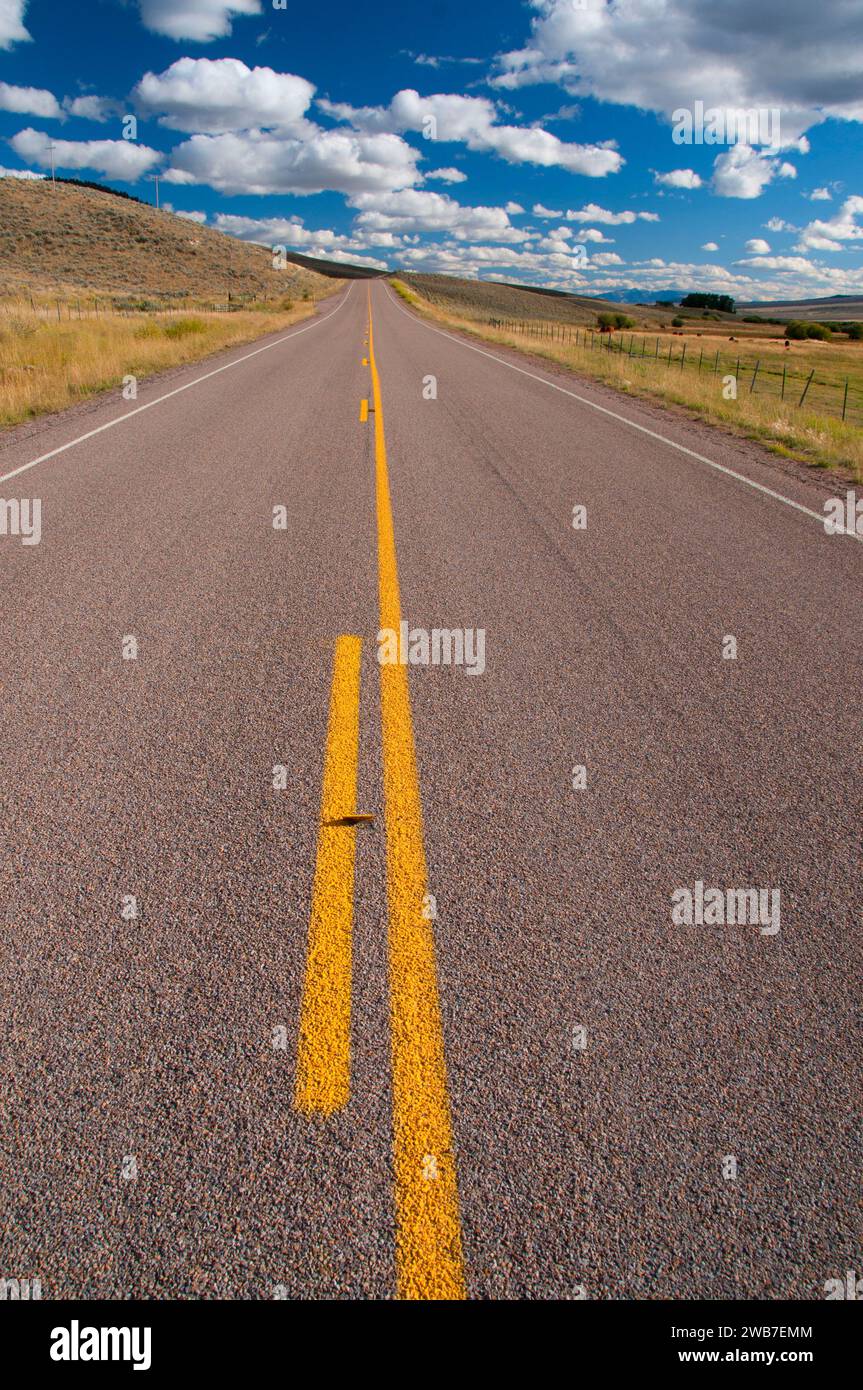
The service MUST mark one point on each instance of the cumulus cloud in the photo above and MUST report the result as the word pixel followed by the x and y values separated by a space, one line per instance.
pixel 447 175
pixel 821 195
pixel 417 210
pixel 798 263
pixel 592 213
pixel 831 235
pixel 292 233
pixel 12 23
pixel 598 49
pixel 710 246
pixel 679 178
pixel 214 96
pixel 743 172
pixel 92 108
pixel 472 121
pixel 125 160
pixel 513 209
pixel 29 101
pixel 201 20
pixel 540 211
pixel 758 246
pixel 261 162
pixel 20 174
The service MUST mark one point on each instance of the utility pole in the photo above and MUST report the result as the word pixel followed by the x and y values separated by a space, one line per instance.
pixel 154 178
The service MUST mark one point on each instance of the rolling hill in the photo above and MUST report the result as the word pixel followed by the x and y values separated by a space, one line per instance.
pixel 79 237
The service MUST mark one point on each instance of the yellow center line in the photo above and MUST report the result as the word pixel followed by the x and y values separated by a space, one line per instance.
pixel 429 1260
pixel 364 412
pixel 324 1055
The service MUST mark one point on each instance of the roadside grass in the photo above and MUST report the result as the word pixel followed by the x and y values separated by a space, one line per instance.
pixel 48 365
pixel 809 434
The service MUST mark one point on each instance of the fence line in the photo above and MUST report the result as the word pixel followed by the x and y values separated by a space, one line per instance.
pixel 838 398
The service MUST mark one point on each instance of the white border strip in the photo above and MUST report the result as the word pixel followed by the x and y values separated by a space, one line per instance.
pixel 681 448
pixel 159 399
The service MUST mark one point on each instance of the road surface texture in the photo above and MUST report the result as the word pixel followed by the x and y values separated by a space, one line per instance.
pixel 505 1071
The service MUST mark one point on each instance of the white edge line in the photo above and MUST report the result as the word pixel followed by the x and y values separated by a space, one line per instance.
pixel 663 439
pixel 159 399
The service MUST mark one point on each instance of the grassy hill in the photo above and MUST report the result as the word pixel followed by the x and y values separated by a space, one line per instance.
pixel 838 308
pixel 72 237
pixel 483 298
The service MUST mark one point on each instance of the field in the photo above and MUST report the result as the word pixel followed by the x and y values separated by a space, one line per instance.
pixel 682 367
pixel 95 287
pixel 46 364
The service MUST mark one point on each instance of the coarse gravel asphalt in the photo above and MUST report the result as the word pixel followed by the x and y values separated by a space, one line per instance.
pixel 164 1046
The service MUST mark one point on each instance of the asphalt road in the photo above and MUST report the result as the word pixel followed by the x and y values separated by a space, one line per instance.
pixel 459 1047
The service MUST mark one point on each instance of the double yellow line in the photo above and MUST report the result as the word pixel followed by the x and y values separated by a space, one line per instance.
pixel 429 1258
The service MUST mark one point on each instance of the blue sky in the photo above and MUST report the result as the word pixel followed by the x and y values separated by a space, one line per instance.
pixel 528 140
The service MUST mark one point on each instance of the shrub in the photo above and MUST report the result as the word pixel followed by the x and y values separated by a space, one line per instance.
pixel 677 323
pixel 608 321
pixel 798 329
pixel 184 328
pixel 855 332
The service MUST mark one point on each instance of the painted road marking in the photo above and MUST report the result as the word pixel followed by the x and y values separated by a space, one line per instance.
pixel 168 395
pixel 429 1260
pixel 364 412
pixel 324 1053
pixel 603 410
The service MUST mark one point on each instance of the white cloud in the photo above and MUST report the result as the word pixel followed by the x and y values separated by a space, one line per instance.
pixel 657 53
pixel 20 174
pixel 595 235
pixel 604 258
pixel 513 209
pixel 758 247
pixel 447 175
pixel 12 23
pixel 201 20
pixel 416 210
pixel 744 173
pixel 540 211
pixel 472 121
pixel 710 246
pixel 29 101
pixel 293 234
pixel 679 178
pixel 829 235
pixel 113 159
pixel 92 108
pixel 259 162
pixel 199 217
pixel 213 96
pixel 592 213
pixel 821 195
pixel 798 263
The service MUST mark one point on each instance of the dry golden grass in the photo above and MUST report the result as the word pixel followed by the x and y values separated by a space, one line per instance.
pixel 812 435
pixel 46 365
pixel 95 240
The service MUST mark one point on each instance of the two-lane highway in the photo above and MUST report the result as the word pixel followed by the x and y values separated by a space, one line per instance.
pixel 330 978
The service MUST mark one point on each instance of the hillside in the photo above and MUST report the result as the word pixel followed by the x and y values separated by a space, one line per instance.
pixel 838 308
pixel 336 270
pixel 81 238
pixel 481 298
